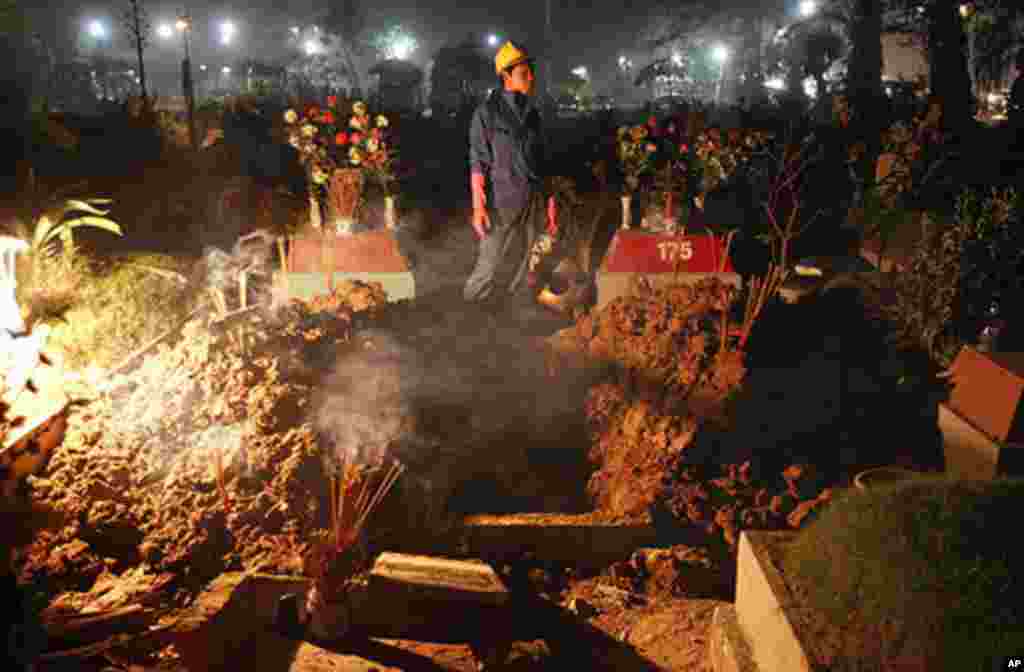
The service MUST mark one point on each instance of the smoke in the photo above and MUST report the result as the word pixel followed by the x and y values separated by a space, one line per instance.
pixel 458 402
pixel 251 255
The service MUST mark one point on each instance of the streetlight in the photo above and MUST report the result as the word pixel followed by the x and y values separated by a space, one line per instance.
pixel 97 30
pixel 402 47
pixel 808 7
pixel 165 31
pixel 227 32
pixel 721 54
pixel 184 26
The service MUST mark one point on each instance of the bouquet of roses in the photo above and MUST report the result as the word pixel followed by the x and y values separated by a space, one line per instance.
pixel 316 133
pixel 327 143
pixel 371 146
pixel 712 159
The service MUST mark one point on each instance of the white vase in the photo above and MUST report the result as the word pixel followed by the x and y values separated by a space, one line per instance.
pixel 389 213
pixel 314 213
pixel 627 212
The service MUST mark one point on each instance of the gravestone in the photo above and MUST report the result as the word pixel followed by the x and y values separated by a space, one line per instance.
pixel 983 420
pixel 369 256
pixel 662 259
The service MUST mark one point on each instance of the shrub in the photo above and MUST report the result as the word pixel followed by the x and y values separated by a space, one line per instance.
pixel 960 269
pixel 927 562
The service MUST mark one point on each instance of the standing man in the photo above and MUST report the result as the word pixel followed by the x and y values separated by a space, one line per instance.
pixel 506 166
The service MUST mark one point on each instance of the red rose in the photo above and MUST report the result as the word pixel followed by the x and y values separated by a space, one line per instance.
pixel 341 139
pixel 375 134
pixel 684 148
pixel 332 101
pixel 356 138
pixel 328 117
pixel 652 122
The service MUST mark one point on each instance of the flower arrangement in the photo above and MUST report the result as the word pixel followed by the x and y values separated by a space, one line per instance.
pixel 327 142
pixel 636 153
pixel 713 157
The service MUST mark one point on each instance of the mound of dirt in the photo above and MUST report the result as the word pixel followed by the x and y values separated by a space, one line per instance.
pixel 673 368
pixel 203 459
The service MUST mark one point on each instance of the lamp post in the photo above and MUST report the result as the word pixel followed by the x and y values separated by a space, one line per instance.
pixel 184 26
pixel 720 54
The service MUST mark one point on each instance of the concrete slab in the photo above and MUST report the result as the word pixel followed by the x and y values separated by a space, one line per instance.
pixel 662 259
pixel 582 540
pixel 287 286
pixel 763 604
pixel 728 650
pixel 988 392
pixel 365 252
pixel 425 577
pixel 369 256
pixel 969 452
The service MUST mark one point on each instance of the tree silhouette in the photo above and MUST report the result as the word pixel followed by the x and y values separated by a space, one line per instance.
pixel 137 24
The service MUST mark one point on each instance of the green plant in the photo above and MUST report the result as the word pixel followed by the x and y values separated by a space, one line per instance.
pixel 48 221
pixel 961 266
pixel 920 568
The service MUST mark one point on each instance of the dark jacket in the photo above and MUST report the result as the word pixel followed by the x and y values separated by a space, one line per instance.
pixel 508 148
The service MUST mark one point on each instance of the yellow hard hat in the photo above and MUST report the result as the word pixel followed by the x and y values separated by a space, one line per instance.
pixel 508 56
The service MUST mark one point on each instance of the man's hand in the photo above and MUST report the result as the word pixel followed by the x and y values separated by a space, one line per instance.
pixel 481 222
pixel 552 217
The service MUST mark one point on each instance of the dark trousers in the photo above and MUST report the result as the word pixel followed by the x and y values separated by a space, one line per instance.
pixel 503 257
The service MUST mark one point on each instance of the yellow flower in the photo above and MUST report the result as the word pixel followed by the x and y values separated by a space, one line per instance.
pixel 372 145
pixel 290 116
pixel 622 132
pixel 359 108
pixel 309 130
pixel 356 122
pixel 382 121
pixel 355 156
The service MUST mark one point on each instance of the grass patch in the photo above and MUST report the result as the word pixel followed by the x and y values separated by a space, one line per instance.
pixel 924 568
pixel 103 309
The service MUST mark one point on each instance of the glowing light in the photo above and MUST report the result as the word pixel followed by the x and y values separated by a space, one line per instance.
pixel 492 40
pixel 677 59
pixel 97 30
pixel 295 30
pixel 775 84
pixel 811 88
pixel 311 47
pixel 581 72
pixel 808 7
pixel 402 48
pixel 720 53
pixel 203 68
pixel 226 70
pixel 183 24
pixel 165 30
pixel 965 10
pixel 227 32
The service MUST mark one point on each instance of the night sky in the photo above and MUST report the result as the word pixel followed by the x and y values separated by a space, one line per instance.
pixel 588 32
